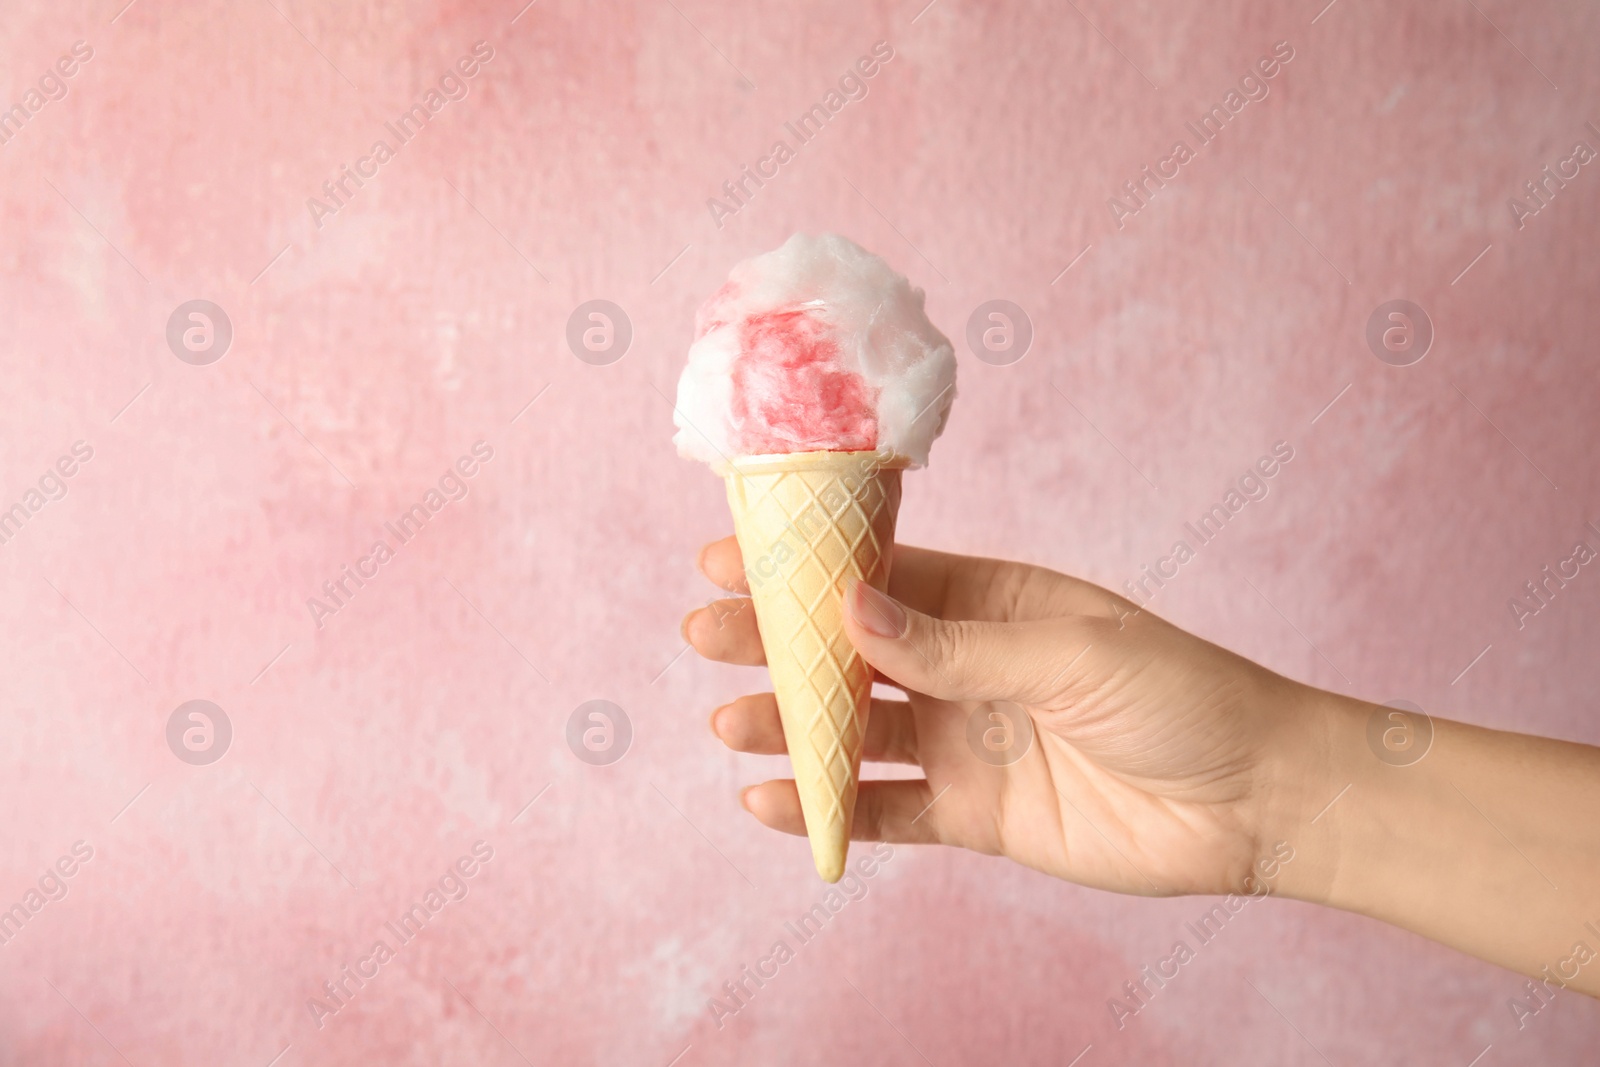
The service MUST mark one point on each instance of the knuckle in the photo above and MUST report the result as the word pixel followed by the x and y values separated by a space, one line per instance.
pixel 902 747
pixel 869 816
pixel 947 642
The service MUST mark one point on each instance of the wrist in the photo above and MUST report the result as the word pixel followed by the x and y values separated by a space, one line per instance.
pixel 1309 768
pixel 1472 837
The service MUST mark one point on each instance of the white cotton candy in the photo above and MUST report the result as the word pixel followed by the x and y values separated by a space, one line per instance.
pixel 819 345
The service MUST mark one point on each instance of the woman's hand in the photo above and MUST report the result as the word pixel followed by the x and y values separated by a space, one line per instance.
pixel 1158 761
pixel 1162 764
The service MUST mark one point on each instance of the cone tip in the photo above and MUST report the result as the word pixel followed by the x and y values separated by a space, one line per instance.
pixel 830 862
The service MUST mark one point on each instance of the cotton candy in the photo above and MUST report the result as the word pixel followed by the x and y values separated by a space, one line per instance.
pixel 817 346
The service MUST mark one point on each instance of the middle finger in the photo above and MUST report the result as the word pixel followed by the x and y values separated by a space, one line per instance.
pixel 752 724
pixel 726 630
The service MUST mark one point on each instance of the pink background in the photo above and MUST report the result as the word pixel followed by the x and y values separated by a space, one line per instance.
pixel 368 354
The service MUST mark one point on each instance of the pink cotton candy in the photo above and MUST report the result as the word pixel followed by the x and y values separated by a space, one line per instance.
pixel 792 392
pixel 817 346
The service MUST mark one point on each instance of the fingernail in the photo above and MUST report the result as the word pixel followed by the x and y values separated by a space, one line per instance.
pixel 744 798
pixel 714 715
pixel 877 613
pixel 700 560
pixel 683 627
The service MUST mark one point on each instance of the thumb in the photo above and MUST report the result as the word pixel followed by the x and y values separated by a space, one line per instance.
pixel 1025 662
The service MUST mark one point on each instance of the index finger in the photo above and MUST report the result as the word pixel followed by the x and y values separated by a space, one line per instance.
pixel 721 562
pixel 949 586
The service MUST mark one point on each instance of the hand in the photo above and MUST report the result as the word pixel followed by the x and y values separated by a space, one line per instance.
pixel 1157 758
pixel 1162 764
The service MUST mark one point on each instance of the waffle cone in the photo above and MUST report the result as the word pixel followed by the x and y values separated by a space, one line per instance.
pixel 806 522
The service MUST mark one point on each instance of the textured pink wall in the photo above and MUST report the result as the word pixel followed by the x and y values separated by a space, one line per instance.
pixel 368 354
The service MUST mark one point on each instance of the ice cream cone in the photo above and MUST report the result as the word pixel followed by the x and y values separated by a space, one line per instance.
pixel 806 522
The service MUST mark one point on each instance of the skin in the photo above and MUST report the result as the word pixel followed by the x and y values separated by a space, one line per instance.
pixel 1163 765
